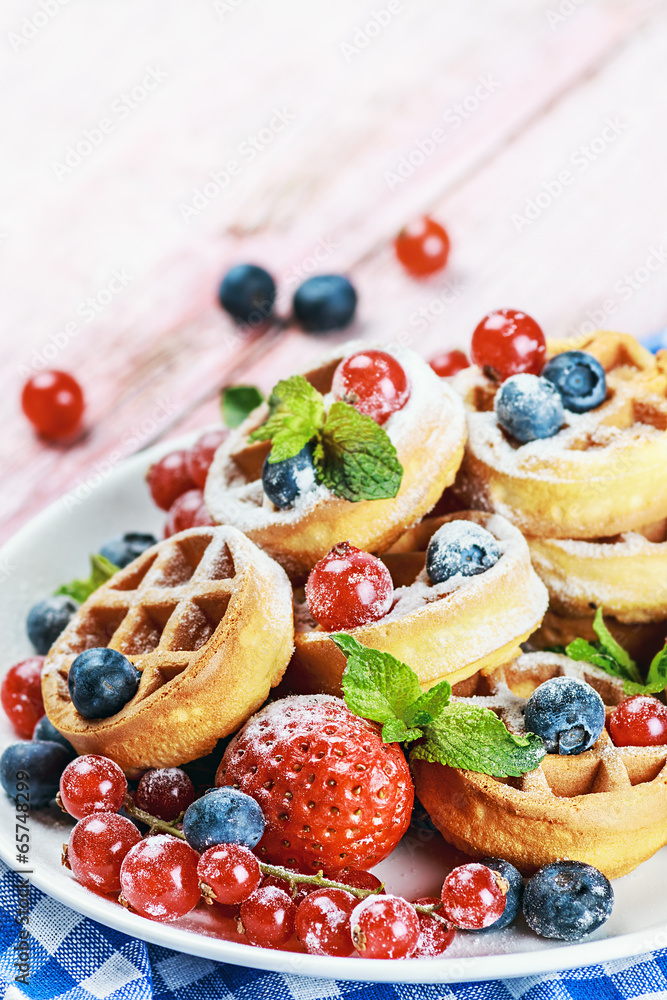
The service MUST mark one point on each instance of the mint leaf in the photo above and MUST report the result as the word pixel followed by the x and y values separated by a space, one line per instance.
pixel 376 685
pixel 101 570
pixel 656 679
pixel 581 649
pixel 475 739
pixel 429 705
pixel 355 458
pixel 612 648
pixel 396 731
pixel 237 401
pixel 296 416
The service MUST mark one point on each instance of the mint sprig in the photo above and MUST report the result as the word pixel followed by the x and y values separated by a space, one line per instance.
pixel 101 570
pixel 238 401
pixel 609 655
pixel 354 457
pixel 380 687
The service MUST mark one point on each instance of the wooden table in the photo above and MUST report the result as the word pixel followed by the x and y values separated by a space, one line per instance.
pixel 147 147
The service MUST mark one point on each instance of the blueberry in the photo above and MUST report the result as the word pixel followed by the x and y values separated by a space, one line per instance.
pixel 514 896
pixel 124 549
pixel 567 713
pixel 46 731
pixel 101 681
pixel 460 547
pixel 248 294
pixel 529 407
pixel 44 762
pixel 284 481
pixel 47 619
pixel 579 378
pixel 223 816
pixel 325 302
pixel 567 899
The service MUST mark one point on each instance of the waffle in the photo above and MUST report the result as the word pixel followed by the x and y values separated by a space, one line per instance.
pixel 606 807
pixel 449 630
pixel 428 433
pixel 605 472
pixel 207 619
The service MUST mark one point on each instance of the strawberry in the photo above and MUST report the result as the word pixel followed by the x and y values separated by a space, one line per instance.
pixel 332 793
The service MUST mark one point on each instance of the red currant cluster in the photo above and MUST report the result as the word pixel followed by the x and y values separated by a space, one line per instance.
pixel 176 483
pixel 162 877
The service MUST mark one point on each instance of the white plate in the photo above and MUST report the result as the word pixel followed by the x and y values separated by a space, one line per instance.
pixel 54 548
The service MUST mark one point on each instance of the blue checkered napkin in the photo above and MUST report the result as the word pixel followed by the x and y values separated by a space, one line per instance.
pixel 74 958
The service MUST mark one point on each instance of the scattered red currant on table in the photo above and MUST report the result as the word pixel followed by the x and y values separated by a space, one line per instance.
pixel 53 403
pixel 473 896
pixel 159 878
pixel 508 342
pixel 348 588
pixel 640 721
pixel 92 784
pixel 373 382
pixel 21 695
pixel 449 363
pixel 384 927
pixel 97 846
pixel 422 247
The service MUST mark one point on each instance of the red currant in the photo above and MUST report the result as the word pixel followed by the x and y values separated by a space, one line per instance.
pixel 92 784
pixel 53 403
pixel 508 342
pixel 422 247
pixel 296 893
pixel 169 478
pixel 640 721
pixel 268 917
pixel 323 922
pixel 232 872
pixel 434 936
pixel 373 382
pixel 449 363
pixel 384 927
pixel 355 877
pixel 21 695
pixel 473 896
pixel 348 588
pixel 165 792
pixel 97 845
pixel 201 455
pixel 158 878
pixel 187 511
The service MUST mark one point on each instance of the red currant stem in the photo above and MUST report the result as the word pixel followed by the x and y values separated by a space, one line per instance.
pixel 156 824
pixel 277 871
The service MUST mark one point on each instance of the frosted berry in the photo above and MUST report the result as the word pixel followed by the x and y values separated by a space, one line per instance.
pixel 473 896
pixel 529 408
pixel 449 363
pixel 97 846
pixel 21 695
pixel 223 816
pixel 267 917
pixel 231 871
pixel 92 784
pixel 422 247
pixel 460 548
pixel 47 619
pixel 384 927
pixel 170 477
pixel 508 342
pixel 165 792
pixel 323 922
pixel 187 511
pixel 435 937
pixel 567 899
pixel 567 714
pixel 159 878
pixel 348 588
pixel 373 382
pixel 53 403
pixel 640 721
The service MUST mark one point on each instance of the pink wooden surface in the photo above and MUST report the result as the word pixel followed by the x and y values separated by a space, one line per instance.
pixel 519 94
